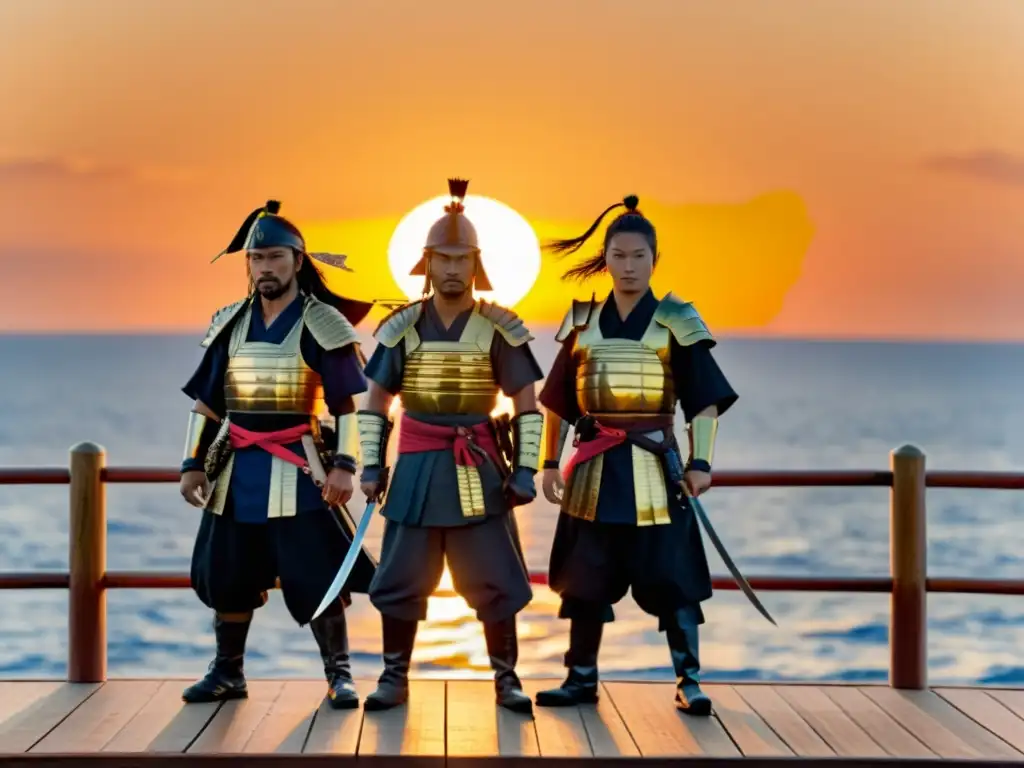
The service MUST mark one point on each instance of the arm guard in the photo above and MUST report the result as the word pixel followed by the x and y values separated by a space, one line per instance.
pixel 703 430
pixel 556 429
pixel 527 427
pixel 374 432
pixel 199 436
pixel 345 452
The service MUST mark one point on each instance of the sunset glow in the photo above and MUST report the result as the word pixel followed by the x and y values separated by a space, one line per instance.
pixel 806 166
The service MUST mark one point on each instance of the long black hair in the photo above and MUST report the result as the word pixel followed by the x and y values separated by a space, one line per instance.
pixel 311 281
pixel 630 220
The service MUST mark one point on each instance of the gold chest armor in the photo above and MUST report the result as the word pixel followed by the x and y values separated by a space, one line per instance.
pixel 625 378
pixel 622 376
pixel 268 378
pixel 449 377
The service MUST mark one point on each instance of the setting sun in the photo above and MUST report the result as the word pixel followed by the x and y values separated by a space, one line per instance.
pixel 508 246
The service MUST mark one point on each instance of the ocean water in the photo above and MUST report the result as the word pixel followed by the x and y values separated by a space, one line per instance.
pixel 803 405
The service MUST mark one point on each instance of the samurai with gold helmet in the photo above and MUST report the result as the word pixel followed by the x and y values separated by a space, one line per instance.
pixel 275 363
pixel 626 362
pixel 460 470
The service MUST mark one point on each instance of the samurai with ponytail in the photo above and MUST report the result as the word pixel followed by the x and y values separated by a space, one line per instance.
pixel 625 364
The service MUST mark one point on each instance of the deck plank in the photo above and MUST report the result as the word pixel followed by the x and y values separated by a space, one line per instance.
pixel 885 730
pixel 1013 699
pixel 944 730
pixel 606 730
pixel 20 694
pixel 164 724
pixel 560 730
pixel 287 723
pixel 90 726
pixel 415 728
pixel 31 720
pixel 784 720
pixel 831 723
pixel 752 735
pixel 988 712
pixel 336 731
pixel 478 727
pixel 661 730
pixel 236 721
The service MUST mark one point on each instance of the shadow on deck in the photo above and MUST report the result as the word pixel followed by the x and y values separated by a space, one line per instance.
pixel 144 723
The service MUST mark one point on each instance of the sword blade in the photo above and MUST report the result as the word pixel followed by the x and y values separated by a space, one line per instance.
pixel 720 547
pixel 349 562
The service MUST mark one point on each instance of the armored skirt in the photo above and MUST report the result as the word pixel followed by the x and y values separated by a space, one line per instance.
pixel 594 564
pixel 234 564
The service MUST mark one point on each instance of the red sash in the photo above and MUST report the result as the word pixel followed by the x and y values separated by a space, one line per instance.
pixel 606 439
pixel 271 442
pixel 418 436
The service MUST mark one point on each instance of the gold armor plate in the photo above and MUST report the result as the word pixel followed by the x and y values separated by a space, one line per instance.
pixel 622 376
pixel 453 377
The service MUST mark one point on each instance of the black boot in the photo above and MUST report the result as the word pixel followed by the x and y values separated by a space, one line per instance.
pixel 580 686
pixel 393 684
pixel 683 642
pixel 225 679
pixel 503 650
pixel 331 635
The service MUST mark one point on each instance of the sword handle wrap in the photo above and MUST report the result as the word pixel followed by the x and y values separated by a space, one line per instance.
pixel 703 431
pixel 199 436
pixel 527 428
pixel 556 430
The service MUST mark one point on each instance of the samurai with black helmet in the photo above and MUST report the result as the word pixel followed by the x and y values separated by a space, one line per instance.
pixel 626 363
pixel 460 470
pixel 275 363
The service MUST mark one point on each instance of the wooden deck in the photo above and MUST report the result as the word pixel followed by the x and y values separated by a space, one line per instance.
pixel 143 722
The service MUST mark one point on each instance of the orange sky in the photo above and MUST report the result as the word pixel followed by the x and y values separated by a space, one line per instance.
pixel 815 167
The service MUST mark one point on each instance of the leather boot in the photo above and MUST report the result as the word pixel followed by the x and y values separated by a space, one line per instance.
pixel 331 635
pixel 393 684
pixel 683 642
pixel 580 686
pixel 225 680
pixel 503 650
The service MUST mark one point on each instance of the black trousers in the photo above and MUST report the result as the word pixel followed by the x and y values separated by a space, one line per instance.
pixel 593 565
pixel 485 562
pixel 234 564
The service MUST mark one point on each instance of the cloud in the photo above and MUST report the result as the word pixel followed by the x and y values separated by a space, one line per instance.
pixel 991 166
pixel 60 169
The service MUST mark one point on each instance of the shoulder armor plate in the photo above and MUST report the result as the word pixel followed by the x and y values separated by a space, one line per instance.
pixel 329 327
pixel 221 319
pixel 394 327
pixel 682 320
pixel 506 322
pixel 577 318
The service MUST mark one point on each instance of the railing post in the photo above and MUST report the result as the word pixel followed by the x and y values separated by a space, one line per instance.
pixel 908 621
pixel 87 601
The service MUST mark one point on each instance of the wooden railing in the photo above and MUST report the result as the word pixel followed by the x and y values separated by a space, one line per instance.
pixel 908 583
